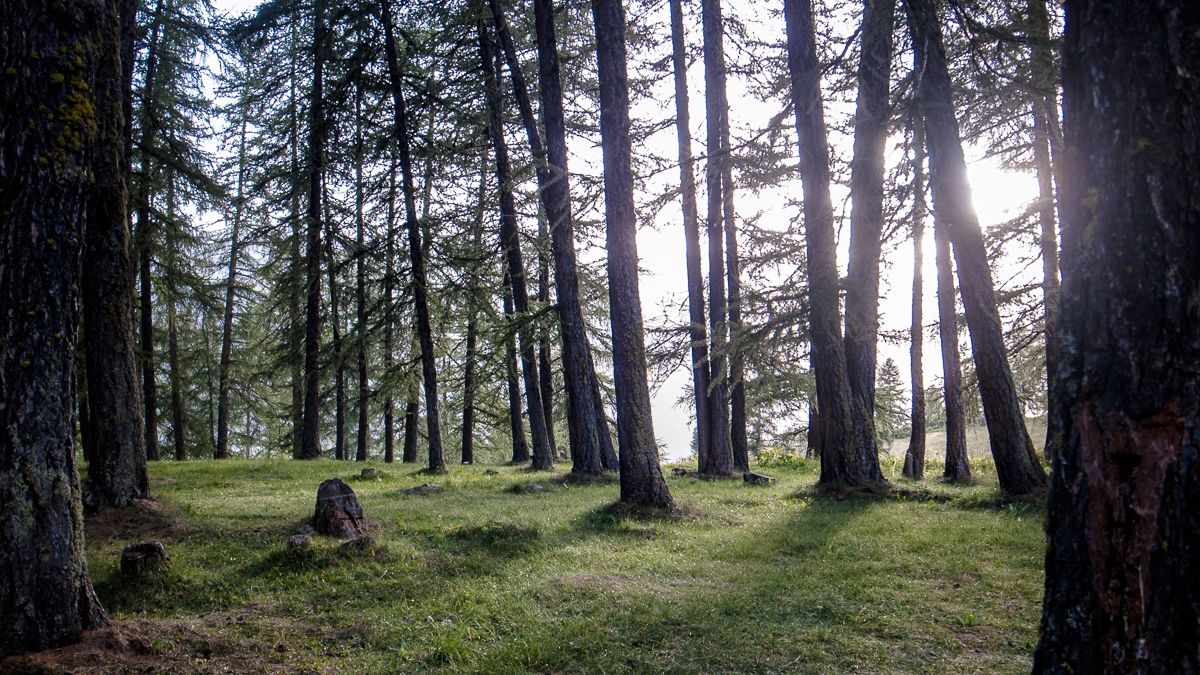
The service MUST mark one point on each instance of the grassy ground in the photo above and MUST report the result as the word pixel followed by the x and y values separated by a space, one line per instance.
pixel 485 577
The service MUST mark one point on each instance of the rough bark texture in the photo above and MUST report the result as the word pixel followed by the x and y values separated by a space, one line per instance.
pixel 841 462
pixel 520 448
pixel 866 221
pixel 338 513
pixel 437 460
pixel 46 597
pixel 510 244
pixel 412 421
pixel 691 235
pixel 222 447
pixel 719 461
pixel 1124 510
pixel 641 477
pixel 1017 464
pixel 310 435
pixel 914 457
pixel 175 374
pixel 957 468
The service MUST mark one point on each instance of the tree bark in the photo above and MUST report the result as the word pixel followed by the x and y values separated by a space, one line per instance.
pixel 310 441
pixel 914 457
pixel 337 358
pixel 1017 464
pixel 360 273
pixel 641 477
pixel 957 467
pixel 175 376
pixel 1123 520
pixel 437 462
pixel 296 270
pixel 841 461
pixel 389 322
pixel 719 461
pixel 691 234
pixel 46 596
pixel 222 447
pixel 412 421
pixel 866 221
pixel 469 384
pixel 520 448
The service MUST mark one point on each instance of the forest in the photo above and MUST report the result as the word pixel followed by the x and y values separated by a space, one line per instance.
pixel 610 336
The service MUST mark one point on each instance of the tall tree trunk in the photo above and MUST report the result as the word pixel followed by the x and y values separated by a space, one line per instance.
pixel 296 275
pixel 310 442
pixel 469 384
pixel 46 596
pixel 738 443
pixel 1017 464
pixel 437 461
pixel 1123 525
pixel 338 357
pixel 719 461
pixel 360 273
pixel 545 367
pixel 866 221
pixel 841 461
pixel 115 433
pixel 957 467
pixel 520 449
pixel 222 447
pixel 691 234
pixel 543 457
pixel 591 444
pixel 412 420
pixel 389 322
pixel 641 477
pixel 914 457
pixel 175 373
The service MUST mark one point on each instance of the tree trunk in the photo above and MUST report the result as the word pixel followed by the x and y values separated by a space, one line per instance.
pixel 437 461
pixel 957 467
pixel 360 254
pixel 175 373
pixel 389 322
pixel 469 385
pixel 510 242
pixel 691 234
pixel 520 449
pixel 412 421
pixel 310 441
pixel 337 358
pixel 641 478
pixel 841 461
pixel 1017 464
pixel 115 432
pixel 914 457
pixel 1122 522
pixel 866 221
pixel 46 596
pixel 222 448
pixel 719 461
pixel 296 280
pixel 738 443
pixel 545 367
pixel 591 445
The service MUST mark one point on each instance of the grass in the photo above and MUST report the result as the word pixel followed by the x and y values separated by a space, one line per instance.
pixel 485 577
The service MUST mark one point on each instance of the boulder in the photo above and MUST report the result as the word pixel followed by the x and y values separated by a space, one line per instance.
pixel 535 487
pixel 757 478
pixel 338 513
pixel 299 541
pixel 369 472
pixel 138 558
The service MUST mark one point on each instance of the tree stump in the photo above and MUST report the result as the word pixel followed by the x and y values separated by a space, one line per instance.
pixel 757 478
pixel 139 558
pixel 338 513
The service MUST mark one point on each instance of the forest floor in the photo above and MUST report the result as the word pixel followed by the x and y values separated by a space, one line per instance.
pixel 488 576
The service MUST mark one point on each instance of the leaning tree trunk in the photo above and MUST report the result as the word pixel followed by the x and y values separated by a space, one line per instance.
pixel 1017 465
pixel 222 446
pixel 957 467
pixel 691 234
pixel 641 477
pixel 510 243
pixel 46 596
pixel 914 457
pixel 866 221
pixel 1124 512
pixel 841 461
pixel 310 439
pixel 719 461
pixel 587 423
pixel 437 462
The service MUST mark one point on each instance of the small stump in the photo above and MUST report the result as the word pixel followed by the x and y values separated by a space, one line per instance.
pixel 139 558
pixel 757 478
pixel 679 471
pixel 424 489
pixel 338 513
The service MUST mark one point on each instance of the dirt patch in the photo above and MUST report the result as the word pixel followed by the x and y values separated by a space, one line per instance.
pixel 144 519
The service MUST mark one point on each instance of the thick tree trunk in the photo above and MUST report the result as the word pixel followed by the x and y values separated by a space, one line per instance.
pixel 222 447
pixel 866 221
pixel 437 460
pixel 115 432
pixel 1017 464
pixel 1124 510
pixel 587 423
pixel 175 374
pixel 719 461
pixel 360 274
pixel 691 234
pixel 510 243
pixel 841 461
pixel 310 441
pixel 914 457
pixel 957 467
pixel 46 596
pixel 641 477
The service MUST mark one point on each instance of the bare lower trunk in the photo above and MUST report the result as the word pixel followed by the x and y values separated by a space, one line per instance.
pixel 389 322
pixel 175 373
pixel 520 448
pixel 914 457
pixel 360 276
pixel 222 446
pixel 957 467
pixel 337 358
